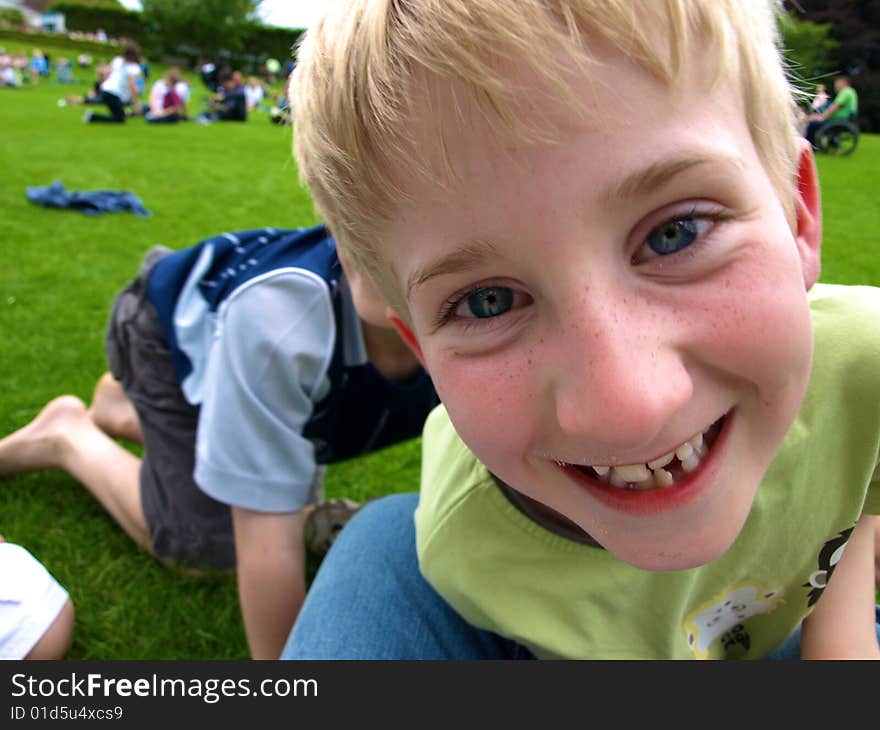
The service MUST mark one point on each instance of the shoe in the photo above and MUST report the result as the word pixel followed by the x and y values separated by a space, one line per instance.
pixel 325 522
pixel 87 116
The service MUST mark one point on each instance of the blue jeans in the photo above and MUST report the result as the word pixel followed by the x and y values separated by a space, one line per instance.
pixel 369 600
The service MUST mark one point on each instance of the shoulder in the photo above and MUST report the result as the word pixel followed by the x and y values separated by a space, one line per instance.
pixel 287 310
pixel 446 460
pixel 846 352
pixel 846 315
pixel 442 446
pixel 291 289
pixel 450 473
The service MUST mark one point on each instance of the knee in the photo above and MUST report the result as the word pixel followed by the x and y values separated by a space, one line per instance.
pixel 377 544
pixel 384 525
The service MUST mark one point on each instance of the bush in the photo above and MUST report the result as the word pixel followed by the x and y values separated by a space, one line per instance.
pixel 260 41
pixel 41 39
pixel 271 42
pixel 116 21
pixel 13 16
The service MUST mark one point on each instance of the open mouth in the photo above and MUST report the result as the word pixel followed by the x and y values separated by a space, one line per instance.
pixel 661 473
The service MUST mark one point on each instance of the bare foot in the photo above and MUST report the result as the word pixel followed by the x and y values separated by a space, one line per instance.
pixel 39 444
pixel 113 412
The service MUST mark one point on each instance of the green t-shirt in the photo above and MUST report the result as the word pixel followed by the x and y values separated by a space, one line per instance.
pixel 848 101
pixel 506 573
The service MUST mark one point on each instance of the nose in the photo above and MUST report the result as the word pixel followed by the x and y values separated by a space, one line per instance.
pixel 622 375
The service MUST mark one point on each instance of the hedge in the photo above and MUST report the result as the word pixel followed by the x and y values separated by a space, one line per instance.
pixel 117 22
pixel 40 39
pixel 260 41
pixel 13 16
pixel 270 42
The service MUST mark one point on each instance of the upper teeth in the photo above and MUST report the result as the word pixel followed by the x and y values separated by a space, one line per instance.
pixel 652 474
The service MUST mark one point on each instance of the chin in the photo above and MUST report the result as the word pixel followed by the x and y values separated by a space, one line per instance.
pixel 664 562
pixel 684 551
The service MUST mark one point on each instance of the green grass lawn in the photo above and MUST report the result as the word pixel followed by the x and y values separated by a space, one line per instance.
pixel 59 271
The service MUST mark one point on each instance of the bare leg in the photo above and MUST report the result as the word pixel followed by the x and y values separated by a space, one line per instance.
pixel 63 436
pixel 113 412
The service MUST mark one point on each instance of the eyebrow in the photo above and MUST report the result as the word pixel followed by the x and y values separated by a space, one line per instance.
pixel 468 256
pixel 656 175
pixel 640 182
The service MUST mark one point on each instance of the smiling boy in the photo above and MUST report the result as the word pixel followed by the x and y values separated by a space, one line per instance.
pixel 597 229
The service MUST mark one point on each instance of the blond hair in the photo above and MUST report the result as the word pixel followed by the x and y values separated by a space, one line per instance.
pixel 361 72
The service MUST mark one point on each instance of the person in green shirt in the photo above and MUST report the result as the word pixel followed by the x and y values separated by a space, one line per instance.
pixel 845 107
pixel 596 225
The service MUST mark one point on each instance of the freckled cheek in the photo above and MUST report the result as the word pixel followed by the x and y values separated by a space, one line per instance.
pixel 493 403
pixel 763 337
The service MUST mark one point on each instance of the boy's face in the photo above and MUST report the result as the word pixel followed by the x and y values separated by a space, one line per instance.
pixel 606 300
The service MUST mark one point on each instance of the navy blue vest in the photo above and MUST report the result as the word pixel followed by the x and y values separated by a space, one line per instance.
pixel 363 410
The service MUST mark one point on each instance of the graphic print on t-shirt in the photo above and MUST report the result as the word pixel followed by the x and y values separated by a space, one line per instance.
pixel 723 618
pixel 829 557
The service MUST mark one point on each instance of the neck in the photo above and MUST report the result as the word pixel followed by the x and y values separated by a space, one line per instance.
pixel 389 354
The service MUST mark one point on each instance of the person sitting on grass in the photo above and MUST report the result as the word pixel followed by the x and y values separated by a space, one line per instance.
pixel 279 112
pixel 38 65
pixel 166 103
pixel 64 71
pixel 229 105
pixel 243 365
pixel 9 76
pixel 93 96
pixel 658 432
pixel 36 613
pixel 120 88
pixel 254 93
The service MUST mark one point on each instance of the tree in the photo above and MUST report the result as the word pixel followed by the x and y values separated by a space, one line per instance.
pixel 808 49
pixel 13 16
pixel 102 4
pixel 114 4
pixel 209 25
pixel 855 25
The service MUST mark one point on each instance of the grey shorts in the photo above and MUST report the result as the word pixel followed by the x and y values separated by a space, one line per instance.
pixel 186 526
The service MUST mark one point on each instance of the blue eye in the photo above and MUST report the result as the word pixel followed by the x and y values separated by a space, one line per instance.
pixel 489 302
pixel 673 236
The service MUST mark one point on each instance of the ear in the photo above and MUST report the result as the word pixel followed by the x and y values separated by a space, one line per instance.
pixel 808 212
pixel 407 335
